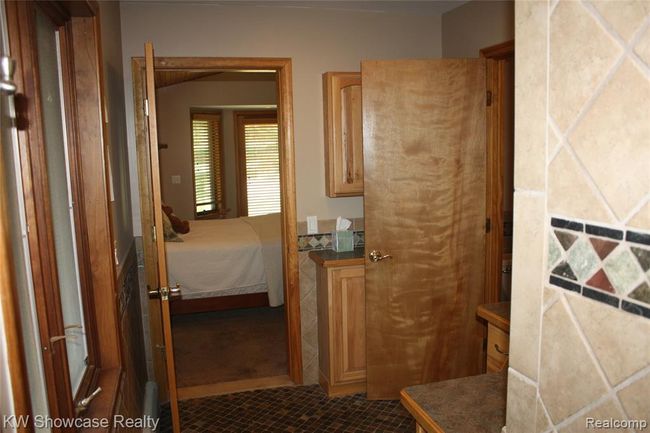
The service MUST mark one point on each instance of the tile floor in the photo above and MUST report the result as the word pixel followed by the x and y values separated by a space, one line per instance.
pixel 303 409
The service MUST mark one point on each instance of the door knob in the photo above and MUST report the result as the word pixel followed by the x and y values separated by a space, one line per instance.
pixel 376 256
pixel 165 292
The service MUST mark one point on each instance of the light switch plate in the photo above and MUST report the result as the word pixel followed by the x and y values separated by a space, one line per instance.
pixel 312 225
pixel 176 179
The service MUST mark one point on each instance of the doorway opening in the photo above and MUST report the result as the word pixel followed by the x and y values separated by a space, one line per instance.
pixel 500 120
pixel 227 167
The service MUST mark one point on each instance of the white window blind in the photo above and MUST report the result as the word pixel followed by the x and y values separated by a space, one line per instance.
pixel 262 166
pixel 206 154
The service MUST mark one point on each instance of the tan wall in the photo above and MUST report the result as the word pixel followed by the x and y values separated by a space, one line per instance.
pixel 475 25
pixel 582 154
pixel 117 143
pixel 174 103
pixel 316 40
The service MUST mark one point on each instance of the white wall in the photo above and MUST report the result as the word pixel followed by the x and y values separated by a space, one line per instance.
pixel 475 25
pixel 316 40
pixel 174 104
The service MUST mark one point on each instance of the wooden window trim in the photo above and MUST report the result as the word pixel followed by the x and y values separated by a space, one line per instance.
pixel 84 115
pixel 217 159
pixel 241 118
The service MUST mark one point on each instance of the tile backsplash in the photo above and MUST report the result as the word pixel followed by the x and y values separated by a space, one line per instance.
pixel 323 239
pixel 602 263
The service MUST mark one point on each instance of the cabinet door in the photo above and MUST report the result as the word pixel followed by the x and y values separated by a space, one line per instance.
pixel 348 361
pixel 343 134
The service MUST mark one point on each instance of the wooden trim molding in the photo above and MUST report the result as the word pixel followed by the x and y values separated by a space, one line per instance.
pixel 499 51
pixel 282 66
pixel 494 244
pixel 424 421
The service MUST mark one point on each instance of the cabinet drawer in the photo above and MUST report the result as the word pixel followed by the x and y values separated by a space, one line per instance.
pixel 498 346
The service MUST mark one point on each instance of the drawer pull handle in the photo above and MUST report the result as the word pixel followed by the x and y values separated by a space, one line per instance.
pixel 498 349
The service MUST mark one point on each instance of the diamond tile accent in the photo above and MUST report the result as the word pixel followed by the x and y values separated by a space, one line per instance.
pixel 582 259
pixel 622 270
pixel 581 55
pixel 564 270
pixel 604 263
pixel 643 256
pixel 602 247
pixel 554 251
pixel 641 293
pixel 600 281
pixel 566 239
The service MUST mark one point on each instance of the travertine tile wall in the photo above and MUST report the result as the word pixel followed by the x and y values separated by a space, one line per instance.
pixel 307 271
pixel 582 134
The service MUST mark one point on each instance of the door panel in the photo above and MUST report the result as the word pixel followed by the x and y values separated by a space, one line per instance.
pixel 424 177
pixel 159 236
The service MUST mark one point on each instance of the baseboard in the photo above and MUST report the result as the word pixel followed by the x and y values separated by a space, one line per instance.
pixel 151 404
pixel 190 392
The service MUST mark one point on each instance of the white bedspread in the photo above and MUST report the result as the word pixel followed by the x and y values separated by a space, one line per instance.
pixel 268 229
pixel 228 257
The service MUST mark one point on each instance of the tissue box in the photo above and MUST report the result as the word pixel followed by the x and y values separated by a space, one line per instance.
pixel 342 240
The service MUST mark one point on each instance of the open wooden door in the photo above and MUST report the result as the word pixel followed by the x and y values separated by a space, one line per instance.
pixel 424 177
pixel 162 291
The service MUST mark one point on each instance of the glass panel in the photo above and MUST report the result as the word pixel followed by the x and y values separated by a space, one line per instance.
pixel 262 168
pixel 11 173
pixel 56 149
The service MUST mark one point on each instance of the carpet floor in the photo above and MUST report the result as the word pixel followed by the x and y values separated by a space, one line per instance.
pixel 300 409
pixel 224 346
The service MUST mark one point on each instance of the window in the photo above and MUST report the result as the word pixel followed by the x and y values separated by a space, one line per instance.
pixel 208 163
pixel 259 163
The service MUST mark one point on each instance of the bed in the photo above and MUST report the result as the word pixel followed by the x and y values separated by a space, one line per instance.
pixel 227 263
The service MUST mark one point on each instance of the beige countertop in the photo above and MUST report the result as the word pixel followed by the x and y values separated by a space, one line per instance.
pixel 474 404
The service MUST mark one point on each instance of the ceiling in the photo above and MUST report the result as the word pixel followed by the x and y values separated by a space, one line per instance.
pixel 169 78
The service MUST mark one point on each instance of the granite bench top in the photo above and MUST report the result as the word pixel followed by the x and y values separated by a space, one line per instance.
pixel 331 258
pixel 474 404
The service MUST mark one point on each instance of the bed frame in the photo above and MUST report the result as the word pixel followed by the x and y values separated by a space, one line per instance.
pixel 218 303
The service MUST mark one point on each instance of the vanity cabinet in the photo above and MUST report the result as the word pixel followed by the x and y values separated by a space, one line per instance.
pixel 341 313
pixel 497 317
pixel 343 134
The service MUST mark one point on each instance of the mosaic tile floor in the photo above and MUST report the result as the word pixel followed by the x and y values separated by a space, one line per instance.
pixel 303 409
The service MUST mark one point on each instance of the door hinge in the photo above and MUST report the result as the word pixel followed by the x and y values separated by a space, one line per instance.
pixel 488 98
pixel 488 225
pixel 146 107
pixel 153 233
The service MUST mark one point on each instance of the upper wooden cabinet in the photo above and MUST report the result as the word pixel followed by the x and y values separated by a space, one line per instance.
pixel 343 134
